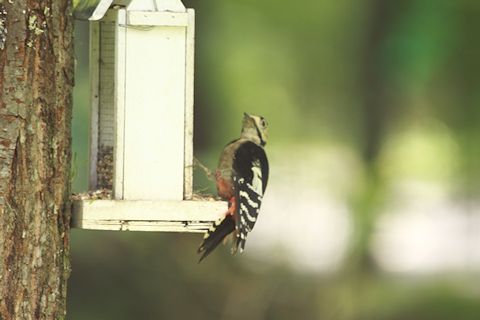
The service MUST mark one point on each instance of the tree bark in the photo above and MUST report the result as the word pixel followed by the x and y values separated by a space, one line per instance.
pixel 36 80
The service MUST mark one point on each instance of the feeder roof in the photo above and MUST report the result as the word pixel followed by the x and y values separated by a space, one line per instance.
pixel 90 9
pixel 96 9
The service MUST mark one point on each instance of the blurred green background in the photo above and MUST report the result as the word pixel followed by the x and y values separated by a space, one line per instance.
pixel 372 209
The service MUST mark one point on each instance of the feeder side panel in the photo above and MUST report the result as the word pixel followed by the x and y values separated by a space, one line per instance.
pixel 119 102
pixel 189 83
pixel 155 113
pixel 94 74
pixel 106 105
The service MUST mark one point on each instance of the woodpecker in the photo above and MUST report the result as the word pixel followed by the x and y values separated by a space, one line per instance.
pixel 241 179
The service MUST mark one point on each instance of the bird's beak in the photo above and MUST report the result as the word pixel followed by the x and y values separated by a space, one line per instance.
pixel 246 115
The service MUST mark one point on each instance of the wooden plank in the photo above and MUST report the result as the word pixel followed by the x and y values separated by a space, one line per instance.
pixel 141 5
pixel 172 216
pixel 101 9
pixel 169 5
pixel 154 109
pixel 94 75
pixel 119 98
pixel 189 104
pixel 90 9
pixel 156 5
pixel 149 18
pixel 161 210
pixel 120 225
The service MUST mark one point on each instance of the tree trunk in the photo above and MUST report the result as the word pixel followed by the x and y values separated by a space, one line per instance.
pixel 36 80
pixel 378 111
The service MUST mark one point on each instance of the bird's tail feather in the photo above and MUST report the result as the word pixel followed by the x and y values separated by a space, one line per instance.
pixel 215 235
pixel 239 243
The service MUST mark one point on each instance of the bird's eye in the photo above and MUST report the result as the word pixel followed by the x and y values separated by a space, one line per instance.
pixel 263 123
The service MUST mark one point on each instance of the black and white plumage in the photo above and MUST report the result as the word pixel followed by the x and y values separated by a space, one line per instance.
pixel 241 179
pixel 250 180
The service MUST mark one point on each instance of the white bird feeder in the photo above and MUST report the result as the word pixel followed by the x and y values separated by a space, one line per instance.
pixel 141 141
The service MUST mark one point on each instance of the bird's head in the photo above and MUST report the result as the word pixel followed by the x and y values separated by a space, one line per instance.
pixel 255 129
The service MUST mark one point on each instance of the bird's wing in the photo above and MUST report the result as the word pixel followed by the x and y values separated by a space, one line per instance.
pixel 250 180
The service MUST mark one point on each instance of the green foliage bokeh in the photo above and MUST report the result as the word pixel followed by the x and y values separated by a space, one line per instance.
pixel 397 83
